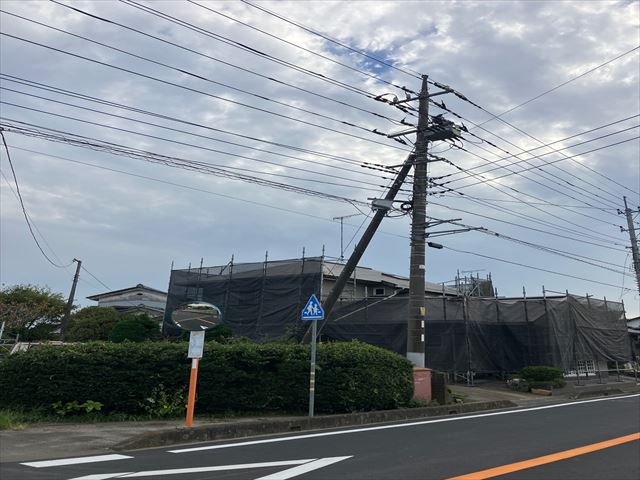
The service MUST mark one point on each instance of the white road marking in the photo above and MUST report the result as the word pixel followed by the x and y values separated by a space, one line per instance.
pixel 75 461
pixel 307 467
pixel 402 425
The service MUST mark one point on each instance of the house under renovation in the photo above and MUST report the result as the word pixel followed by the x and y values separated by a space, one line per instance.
pixel 463 333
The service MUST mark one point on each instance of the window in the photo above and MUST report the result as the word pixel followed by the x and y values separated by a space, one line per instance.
pixel 378 292
pixel 586 366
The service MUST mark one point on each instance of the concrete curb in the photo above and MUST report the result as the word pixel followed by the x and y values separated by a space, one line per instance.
pixel 205 433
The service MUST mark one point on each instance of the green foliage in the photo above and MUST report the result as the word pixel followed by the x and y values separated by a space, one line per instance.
pixel 162 403
pixel 238 377
pixel 92 323
pixel 543 377
pixel 74 407
pixel 11 419
pixel 135 328
pixel 541 374
pixel 547 384
pixel 220 333
pixel 30 311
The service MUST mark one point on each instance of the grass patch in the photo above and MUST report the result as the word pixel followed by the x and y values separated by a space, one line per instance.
pixel 12 420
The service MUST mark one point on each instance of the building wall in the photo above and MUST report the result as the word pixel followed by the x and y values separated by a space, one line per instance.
pixel 131 299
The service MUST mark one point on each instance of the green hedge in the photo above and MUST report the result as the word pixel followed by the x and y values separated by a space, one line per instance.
pixel 236 377
pixel 541 374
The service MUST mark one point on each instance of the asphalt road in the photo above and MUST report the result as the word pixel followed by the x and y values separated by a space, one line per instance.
pixel 529 443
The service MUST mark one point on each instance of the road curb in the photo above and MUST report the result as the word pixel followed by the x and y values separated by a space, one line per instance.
pixel 228 431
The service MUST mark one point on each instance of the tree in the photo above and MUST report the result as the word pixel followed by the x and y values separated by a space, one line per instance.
pixel 31 312
pixel 135 328
pixel 92 323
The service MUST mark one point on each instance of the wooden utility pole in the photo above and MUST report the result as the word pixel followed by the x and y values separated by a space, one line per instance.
pixel 65 320
pixel 415 320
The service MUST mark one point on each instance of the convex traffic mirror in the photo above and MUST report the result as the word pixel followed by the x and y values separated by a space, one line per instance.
pixel 196 316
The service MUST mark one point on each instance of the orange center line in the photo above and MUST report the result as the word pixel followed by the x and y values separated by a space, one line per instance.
pixel 554 457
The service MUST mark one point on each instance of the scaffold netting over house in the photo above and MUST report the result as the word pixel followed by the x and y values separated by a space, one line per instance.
pixel 493 335
pixel 261 301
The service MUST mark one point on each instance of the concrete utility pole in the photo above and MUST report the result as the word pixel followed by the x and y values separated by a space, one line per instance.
pixel 417 312
pixel 72 294
pixel 634 242
pixel 425 133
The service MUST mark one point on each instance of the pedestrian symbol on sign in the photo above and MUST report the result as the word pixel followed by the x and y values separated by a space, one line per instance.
pixel 313 310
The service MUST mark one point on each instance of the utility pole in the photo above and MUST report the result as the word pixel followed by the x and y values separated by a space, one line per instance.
pixel 342 232
pixel 417 311
pixel 634 241
pixel 72 294
pixel 443 130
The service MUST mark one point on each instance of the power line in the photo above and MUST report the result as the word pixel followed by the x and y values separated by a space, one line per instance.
pixel 562 181
pixel 184 87
pixel 406 71
pixel 544 248
pixel 370 75
pixel 246 48
pixel 608 246
pixel 531 267
pixel 174 184
pixel 170 161
pixel 229 64
pixel 563 140
pixel 222 152
pixel 573 79
pixel 102 101
pixel 23 208
pixel 489 183
pixel 551 162
pixel 528 161
pixel 193 75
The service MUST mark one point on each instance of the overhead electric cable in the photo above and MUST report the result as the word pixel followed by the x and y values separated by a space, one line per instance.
pixel 184 87
pixel 325 57
pixel 546 176
pixel 222 152
pixel 166 160
pixel 573 79
pixel 564 182
pixel 406 71
pixel 544 248
pixel 23 208
pixel 246 48
pixel 531 267
pixel 551 162
pixel 607 246
pixel 489 183
pixel 207 79
pixel 584 132
pixel 102 101
pixel 229 64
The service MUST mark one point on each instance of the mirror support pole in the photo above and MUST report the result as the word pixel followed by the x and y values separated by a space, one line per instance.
pixel 193 380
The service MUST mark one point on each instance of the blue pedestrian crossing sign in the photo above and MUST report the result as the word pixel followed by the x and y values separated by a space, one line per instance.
pixel 312 310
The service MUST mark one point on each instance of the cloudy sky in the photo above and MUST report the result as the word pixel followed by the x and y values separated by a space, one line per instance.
pixel 145 133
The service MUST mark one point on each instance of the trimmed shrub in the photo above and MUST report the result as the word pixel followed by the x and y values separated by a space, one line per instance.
pixel 92 323
pixel 543 377
pixel 135 328
pixel 239 377
pixel 541 373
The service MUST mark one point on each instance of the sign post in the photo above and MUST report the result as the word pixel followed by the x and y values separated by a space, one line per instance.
pixel 313 312
pixel 196 318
